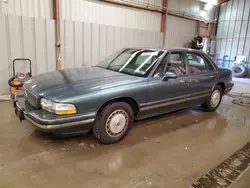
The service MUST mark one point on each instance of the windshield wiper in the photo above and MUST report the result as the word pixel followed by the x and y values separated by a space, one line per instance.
pixel 132 73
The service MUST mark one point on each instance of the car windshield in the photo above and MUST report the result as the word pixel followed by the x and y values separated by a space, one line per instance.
pixel 132 61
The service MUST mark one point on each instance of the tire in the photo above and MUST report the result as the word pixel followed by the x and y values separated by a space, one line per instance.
pixel 208 105
pixel 239 71
pixel 113 122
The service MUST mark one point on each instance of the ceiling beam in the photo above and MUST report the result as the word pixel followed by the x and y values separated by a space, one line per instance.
pixel 222 1
pixel 132 6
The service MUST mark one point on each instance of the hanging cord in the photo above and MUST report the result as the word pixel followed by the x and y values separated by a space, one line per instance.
pixel 242 99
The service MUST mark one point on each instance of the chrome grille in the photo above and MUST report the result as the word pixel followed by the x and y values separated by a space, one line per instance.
pixel 31 98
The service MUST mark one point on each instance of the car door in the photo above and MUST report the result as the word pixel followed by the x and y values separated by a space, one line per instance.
pixel 201 75
pixel 171 94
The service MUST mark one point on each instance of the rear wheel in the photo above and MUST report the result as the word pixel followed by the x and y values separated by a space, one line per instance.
pixel 213 102
pixel 113 122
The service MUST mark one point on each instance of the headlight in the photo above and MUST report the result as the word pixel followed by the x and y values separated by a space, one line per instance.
pixel 58 108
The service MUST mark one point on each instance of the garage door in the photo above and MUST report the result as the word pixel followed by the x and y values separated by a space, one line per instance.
pixel 179 31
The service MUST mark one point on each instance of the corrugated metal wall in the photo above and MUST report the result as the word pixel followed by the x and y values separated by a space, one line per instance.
pixel 26 37
pixel 93 11
pixel 233 35
pixel 193 7
pixel 90 30
pixel 203 31
pixel 24 34
pixel 179 31
pixel 83 44
pixel 86 44
pixel 30 8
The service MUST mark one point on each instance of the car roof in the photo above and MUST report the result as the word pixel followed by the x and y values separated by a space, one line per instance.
pixel 183 50
pixel 170 49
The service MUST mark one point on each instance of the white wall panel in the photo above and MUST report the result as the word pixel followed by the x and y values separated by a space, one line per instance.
pixel 192 7
pixel 30 8
pixel 4 52
pixel 203 31
pixel 234 48
pixel 110 40
pixel 41 45
pixel 228 10
pixel 87 44
pixel 173 4
pixel 78 44
pixel 103 42
pixel 36 8
pixel 241 47
pixel 222 12
pixel 24 8
pixel 15 34
pixel 26 37
pixel 117 38
pixel 62 43
pixel 223 46
pixel 113 15
pixel 233 28
pixel 218 46
pixel 51 41
pixel 247 47
pixel 184 6
pixel 179 31
pixel 95 44
pixel 28 42
pixel 99 41
pixel 240 9
pixel 228 47
pixel 69 44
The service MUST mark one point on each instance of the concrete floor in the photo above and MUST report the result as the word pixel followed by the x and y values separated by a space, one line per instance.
pixel 167 151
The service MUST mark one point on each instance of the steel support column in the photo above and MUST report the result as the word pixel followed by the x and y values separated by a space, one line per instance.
pixel 164 19
pixel 56 17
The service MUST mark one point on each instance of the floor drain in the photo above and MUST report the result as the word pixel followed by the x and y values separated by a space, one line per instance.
pixel 227 172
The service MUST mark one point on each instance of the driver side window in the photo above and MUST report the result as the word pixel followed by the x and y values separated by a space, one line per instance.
pixel 174 63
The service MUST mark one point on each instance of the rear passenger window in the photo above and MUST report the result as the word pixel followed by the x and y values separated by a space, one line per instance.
pixel 197 64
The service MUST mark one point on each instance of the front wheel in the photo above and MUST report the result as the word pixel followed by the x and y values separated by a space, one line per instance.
pixel 113 122
pixel 213 102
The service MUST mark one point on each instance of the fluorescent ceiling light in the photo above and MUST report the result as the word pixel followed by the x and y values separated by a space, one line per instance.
pixel 208 6
pixel 212 2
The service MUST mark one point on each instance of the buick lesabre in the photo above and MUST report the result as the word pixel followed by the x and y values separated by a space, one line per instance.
pixel 129 85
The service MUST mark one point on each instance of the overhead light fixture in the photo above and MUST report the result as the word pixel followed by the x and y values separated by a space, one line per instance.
pixel 213 2
pixel 208 6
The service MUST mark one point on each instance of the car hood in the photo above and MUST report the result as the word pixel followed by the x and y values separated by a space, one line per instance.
pixel 57 84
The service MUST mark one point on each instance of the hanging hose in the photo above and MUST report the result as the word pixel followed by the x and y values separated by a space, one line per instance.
pixel 242 99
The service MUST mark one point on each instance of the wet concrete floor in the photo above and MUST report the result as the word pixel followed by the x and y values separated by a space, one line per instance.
pixel 168 151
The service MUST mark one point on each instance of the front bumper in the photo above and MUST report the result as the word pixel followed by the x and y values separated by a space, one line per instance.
pixel 49 122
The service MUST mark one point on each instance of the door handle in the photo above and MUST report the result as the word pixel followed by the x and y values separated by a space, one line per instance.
pixel 184 82
pixel 212 77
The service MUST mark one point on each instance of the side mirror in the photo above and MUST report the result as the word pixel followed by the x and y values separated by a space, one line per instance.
pixel 169 75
